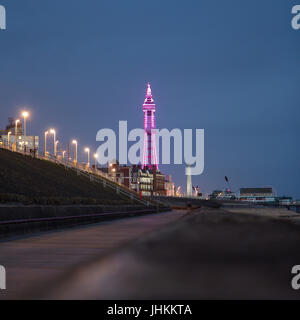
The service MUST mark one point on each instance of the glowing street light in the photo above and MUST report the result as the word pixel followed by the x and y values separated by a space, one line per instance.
pixel 88 152
pixel 16 127
pixel 75 150
pixel 52 131
pixel 8 135
pixel 46 133
pixel 25 115
pixel 95 158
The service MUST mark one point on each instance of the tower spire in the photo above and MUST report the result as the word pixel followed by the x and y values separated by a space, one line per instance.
pixel 149 108
pixel 149 98
pixel 149 92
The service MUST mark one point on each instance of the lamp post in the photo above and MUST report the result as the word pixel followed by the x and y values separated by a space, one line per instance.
pixel 63 155
pixel 75 150
pixel 25 115
pixel 56 143
pixel 87 150
pixel 52 131
pixel 46 133
pixel 95 158
pixel 8 135
pixel 16 128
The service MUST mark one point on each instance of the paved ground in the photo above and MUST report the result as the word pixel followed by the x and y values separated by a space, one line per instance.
pixel 210 254
pixel 38 260
pixel 235 253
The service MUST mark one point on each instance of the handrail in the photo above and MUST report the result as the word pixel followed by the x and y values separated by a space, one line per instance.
pixel 99 178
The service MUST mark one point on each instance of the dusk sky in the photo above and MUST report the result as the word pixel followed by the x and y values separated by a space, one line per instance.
pixel 231 67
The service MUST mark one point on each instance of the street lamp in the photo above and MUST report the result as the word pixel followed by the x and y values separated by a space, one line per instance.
pixel 52 131
pixel 16 128
pixel 56 143
pixel 63 155
pixel 25 115
pixel 46 133
pixel 95 158
pixel 75 150
pixel 9 133
pixel 88 152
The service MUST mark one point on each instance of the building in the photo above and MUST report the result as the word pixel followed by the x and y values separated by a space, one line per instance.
pixel 147 181
pixel 284 201
pixel 169 186
pixel 13 126
pixel 117 173
pixel 149 153
pixel 12 137
pixel 159 183
pixel 20 143
pixel 259 195
pixel 142 181
pixel 228 195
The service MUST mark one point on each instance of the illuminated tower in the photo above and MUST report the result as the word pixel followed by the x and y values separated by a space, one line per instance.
pixel 149 108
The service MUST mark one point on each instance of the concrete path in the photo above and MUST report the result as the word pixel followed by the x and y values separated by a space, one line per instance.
pixel 33 261
pixel 210 254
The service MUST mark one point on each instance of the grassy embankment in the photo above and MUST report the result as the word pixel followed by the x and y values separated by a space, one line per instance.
pixel 33 181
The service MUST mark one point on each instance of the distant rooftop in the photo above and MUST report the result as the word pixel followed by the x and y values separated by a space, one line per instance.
pixel 255 190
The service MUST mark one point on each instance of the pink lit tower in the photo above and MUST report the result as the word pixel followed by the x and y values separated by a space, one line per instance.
pixel 149 155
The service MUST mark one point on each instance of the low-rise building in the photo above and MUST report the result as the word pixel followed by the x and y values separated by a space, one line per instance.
pixel 12 137
pixel 146 182
pixel 285 201
pixel 20 143
pixel 142 181
pixel 169 186
pixel 227 194
pixel 259 195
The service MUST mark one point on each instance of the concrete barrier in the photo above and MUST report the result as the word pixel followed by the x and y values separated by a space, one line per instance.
pixel 19 220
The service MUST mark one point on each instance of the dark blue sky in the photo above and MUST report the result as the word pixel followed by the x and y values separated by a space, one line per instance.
pixel 228 66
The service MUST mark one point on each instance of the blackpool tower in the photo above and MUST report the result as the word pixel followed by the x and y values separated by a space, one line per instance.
pixel 149 154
